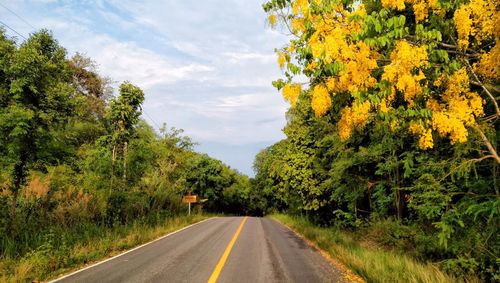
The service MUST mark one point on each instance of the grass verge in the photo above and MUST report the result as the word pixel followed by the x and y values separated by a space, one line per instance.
pixel 372 264
pixel 49 261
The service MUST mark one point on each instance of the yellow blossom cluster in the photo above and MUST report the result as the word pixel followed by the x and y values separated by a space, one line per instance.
pixel 489 65
pixel 356 74
pixel 455 109
pixel 336 51
pixel 425 140
pixel 311 66
pixel 281 59
pixel 353 117
pixel 463 24
pixel 478 18
pixel 394 4
pixel 394 125
pixel 405 61
pixel 332 42
pixel 321 100
pixel 301 6
pixel 459 109
pixel 272 20
pixel 445 123
pixel 291 93
pixel 420 7
pixel 383 106
pixel 416 128
pixel 455 83
pixel 432 104
pixel 298 25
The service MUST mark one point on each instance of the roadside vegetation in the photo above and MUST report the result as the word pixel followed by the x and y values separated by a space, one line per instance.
pixel 392 134
pixel 62 251
pixel 82 176
pixel 365 252
pixel 389 164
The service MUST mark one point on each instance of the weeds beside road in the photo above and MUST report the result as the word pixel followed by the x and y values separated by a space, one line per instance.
pixel 364 257
pixel 90 243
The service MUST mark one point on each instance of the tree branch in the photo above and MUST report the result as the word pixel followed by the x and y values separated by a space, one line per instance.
pixel 488 93
pixel 283 16
pixel 490 147
pixel 473 194
pixel 475 160
pixel 484 88
pixel 489 118
pixel 487 86
pixel 472 53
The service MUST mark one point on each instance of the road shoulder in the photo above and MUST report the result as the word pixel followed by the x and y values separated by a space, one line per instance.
pixel 112 256
pixel 347 274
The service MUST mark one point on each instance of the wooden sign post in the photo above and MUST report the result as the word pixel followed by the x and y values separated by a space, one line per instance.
pixel 189 199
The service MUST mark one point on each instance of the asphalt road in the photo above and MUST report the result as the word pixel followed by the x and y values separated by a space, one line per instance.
pixel 263 251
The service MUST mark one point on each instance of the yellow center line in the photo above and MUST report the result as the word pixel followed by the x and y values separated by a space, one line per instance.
pixel 222 260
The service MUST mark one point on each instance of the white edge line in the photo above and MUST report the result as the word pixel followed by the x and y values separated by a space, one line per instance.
pixel 126 252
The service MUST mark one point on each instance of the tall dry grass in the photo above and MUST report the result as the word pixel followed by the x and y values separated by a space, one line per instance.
pixel 50 261
pixel 372 263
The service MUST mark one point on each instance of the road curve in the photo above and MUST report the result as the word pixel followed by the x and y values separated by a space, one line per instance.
pixel 263 251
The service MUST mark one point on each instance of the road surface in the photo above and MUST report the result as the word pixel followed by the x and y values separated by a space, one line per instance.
pixel 223 249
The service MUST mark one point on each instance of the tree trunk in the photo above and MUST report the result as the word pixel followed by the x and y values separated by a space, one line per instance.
pixel 495 176
pixel 370 203
pixel 399 208
pixel 399 204
pixel 13 210
pixel 125 147
pixel 19 177
pixel 113 159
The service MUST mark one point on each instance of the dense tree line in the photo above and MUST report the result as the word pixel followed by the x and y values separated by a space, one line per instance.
pixel 73 157
pixel 399 125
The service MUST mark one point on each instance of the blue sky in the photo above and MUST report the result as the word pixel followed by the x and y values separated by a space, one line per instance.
pixel 205 66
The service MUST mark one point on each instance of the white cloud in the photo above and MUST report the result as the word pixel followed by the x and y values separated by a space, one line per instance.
pixel 129 62
pixel 242 57
pixel 125 60
pixel 189 48
pixel 205 66
pixel 240 119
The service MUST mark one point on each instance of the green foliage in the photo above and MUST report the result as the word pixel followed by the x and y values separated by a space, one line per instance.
pixel 225 189
pixel 444 201
pixel 78 167
pixel 36 98
pixel 59 251
pixel 363 253
pixel 124 112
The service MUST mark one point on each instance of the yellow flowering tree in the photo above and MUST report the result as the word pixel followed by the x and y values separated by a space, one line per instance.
pixel 427 67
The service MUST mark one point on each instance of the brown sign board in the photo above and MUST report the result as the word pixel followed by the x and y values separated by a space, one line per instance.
pixel 189 199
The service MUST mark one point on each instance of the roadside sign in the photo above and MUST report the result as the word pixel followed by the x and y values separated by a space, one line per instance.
pixel 189 199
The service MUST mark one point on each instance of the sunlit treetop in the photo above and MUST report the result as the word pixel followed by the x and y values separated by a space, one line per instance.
pixel 427 67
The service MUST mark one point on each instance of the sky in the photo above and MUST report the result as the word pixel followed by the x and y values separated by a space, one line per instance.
pixel 205 66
